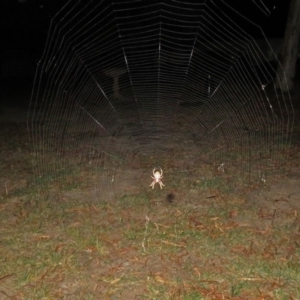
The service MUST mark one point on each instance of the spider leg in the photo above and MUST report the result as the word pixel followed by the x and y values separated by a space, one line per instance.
pixel 152 184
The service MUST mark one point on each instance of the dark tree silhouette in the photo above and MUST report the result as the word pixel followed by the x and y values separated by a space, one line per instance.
pixel 289 52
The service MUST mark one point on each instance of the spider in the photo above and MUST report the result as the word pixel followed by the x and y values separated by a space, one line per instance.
pixel 157 178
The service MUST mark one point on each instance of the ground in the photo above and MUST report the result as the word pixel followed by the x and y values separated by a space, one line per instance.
pixel 195 239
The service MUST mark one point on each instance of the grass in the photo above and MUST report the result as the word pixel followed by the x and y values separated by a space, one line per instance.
pixel 58 241
pixel 216 248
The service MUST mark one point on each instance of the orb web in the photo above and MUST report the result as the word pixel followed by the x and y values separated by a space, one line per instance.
pixel 127 86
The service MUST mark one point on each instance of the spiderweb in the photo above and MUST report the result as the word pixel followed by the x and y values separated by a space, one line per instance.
pixel 137 85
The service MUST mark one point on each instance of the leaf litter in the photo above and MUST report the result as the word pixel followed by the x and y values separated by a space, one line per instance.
pixel 178 244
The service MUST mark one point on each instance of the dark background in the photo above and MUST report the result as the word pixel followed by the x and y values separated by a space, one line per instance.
pixel 25 23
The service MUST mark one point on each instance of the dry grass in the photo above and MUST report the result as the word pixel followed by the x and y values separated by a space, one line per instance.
pixel 201 240
pixel 142 247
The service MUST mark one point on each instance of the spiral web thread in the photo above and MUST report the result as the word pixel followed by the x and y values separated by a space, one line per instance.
pixel 176 84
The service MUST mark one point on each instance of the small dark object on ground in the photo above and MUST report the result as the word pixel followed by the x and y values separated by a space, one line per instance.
pixel 170 197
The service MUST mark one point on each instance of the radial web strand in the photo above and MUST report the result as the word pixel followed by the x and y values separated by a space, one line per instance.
pixel 127 86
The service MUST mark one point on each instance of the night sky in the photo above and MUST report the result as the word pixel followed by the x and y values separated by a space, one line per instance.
pixel 25 23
